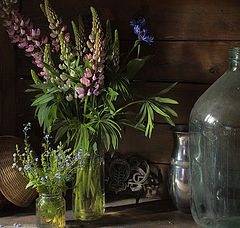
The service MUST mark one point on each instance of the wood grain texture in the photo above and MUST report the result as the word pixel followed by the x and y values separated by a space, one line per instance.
pixel 167 19
pixel 7 86
pixel 191 62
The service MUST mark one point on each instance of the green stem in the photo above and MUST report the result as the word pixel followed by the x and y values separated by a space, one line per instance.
pixel 129 104
pixel 138 51
pixel 85 108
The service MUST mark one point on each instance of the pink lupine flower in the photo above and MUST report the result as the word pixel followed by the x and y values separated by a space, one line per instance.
pixel 7 23
pixel 88 73
pixel 22 44
pixel 89 92
pixel 67 37
pixel 42 73
pixel 96 92
pixel 94 77
pixel 29 38
pixel 45 39
pixel 10 31
pixel 37 43
pixel 96 86
pixel 45 77
pixel 100 69
pixel 22 23
pixel 85 81
pixel 15 38
pixel 30 48
pixel 80 92
pixel 16 27
pixel 22 31
pixel 40 65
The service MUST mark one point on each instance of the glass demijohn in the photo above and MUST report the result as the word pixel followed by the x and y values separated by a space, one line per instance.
pixel 215 151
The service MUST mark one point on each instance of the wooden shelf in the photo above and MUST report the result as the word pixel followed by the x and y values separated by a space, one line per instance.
pixel 157 213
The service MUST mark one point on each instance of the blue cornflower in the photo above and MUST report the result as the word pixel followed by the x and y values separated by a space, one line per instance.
pixel 27 167
pixel 59 163
pixel 42 179
pixel 67 164
pixel 46 136
pixel 36 159
pixel 144 37
pixel 20 169
pixel 14 165
pixel 137 29
pixel 58 176
pixel 140 22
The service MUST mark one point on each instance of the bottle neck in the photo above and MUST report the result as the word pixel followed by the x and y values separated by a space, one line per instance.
pixel 234 59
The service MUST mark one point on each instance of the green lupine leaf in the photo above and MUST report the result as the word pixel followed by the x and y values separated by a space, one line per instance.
pixel 158 110
pixel 169 110
pixel 51 69
pixel 168 119
pixel 166 90
pixel 43 99
pixel 165 100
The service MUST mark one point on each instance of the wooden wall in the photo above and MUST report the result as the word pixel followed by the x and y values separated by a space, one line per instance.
pixel 191 46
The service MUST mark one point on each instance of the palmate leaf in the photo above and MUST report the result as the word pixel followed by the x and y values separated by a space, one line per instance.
pixel 164 91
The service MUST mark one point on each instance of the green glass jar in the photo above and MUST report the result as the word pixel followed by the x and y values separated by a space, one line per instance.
pixel 89 192
pixel 215 151
pixel 50 211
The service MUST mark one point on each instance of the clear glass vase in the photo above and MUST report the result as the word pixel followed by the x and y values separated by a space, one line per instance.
pixel 50 210
pixel 89 192
pixel 215 151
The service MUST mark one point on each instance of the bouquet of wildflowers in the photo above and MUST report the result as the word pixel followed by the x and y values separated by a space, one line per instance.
pixel 84 91
pixel 52 171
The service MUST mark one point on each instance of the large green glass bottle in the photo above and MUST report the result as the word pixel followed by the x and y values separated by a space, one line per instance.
pixel 215 151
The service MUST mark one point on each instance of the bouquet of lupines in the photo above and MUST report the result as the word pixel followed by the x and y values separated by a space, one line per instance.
pixel 84 90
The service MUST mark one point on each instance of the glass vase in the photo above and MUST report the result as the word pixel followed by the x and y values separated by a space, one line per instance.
pixel 50 210
pixel 89 192
pixel 215 151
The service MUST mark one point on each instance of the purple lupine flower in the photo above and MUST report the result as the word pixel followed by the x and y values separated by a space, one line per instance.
pixel 58 176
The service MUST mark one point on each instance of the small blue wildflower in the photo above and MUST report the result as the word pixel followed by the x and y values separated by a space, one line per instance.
pixel 46 177
pixel 59 163
pixel 42 179
pixel 25 128
pixel 27 168
pixel 36 159
pixel 30 151
pixel 1 226
pixel 58 176
pixel 55 156
pixel 67 156
pixel 20 169
pixel 14 155
pixel 14 165
pixel 81 162
pixel 79 156
pixel 46 136
pixel 67 164
pixel 60 155
pixel 23 154
pixel 18 225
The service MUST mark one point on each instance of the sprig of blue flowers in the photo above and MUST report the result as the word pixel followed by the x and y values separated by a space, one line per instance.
pixel 50 173
pixel 140 31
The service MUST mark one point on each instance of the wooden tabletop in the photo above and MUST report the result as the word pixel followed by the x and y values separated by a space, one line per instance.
pixel 157 213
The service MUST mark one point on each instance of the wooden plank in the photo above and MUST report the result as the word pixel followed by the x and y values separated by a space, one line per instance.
pixel 167 19
pixel 7 86
pixel 192 62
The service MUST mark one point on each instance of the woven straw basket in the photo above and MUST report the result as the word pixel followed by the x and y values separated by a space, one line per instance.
pixel 12 183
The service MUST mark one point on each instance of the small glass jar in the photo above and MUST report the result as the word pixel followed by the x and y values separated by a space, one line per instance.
pixel 50 210
pixel 88 192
